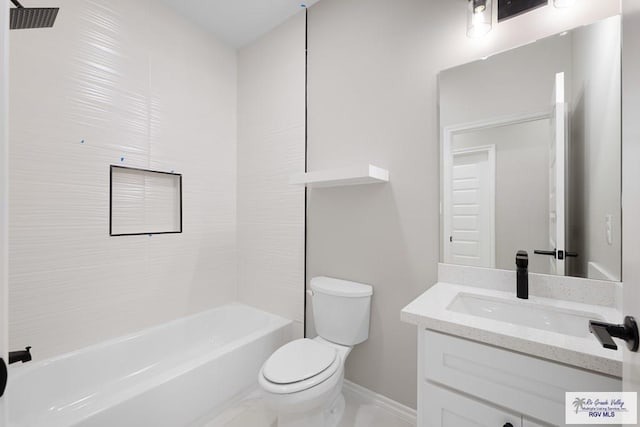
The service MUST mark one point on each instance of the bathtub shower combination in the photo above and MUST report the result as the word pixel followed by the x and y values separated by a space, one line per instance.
pixel 166 376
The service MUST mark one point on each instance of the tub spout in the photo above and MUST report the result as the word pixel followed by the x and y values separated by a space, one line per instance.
pixel 20 356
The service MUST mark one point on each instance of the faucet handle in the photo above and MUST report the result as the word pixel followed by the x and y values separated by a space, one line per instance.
pixel 601 332
pixel 604 332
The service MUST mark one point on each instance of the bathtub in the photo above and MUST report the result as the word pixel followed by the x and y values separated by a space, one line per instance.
pixel 170 375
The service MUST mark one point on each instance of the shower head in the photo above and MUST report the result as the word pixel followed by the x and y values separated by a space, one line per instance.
pixel 32 17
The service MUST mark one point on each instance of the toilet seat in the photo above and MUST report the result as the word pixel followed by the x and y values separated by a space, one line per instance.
pixel 299 365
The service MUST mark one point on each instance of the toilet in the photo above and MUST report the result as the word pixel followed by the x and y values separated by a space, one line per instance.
pixel 302 380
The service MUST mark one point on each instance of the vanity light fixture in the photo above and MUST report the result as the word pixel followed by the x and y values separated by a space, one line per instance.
pixel 479 18
pixel 563 3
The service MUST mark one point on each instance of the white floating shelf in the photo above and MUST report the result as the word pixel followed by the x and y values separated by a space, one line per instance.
pixel 365 174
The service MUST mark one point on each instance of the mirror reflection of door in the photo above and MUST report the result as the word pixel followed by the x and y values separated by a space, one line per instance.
pixel 472 218
pixel 517 182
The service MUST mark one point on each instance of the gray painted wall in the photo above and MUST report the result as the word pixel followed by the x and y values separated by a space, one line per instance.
pixel 372 82
pixel 520 81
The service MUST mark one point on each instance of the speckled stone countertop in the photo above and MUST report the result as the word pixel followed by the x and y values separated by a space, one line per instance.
pixel 430 311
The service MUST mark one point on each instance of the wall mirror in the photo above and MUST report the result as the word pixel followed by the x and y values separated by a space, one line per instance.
pixel 531 156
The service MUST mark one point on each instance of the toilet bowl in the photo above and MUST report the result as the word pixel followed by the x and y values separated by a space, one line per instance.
pixel 302 380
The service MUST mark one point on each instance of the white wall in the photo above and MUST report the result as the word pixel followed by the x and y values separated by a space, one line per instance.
pixel 522 189
pixel 271 144
pixel 373 98
pixel 133 81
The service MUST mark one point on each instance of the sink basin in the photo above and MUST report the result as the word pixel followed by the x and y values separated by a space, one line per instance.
pixel 525 313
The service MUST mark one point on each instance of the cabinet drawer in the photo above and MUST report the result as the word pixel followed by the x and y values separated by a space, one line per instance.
pixel 525 384
pixel 444 408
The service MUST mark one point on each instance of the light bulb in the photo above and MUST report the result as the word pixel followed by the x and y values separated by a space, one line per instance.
pixel 478 18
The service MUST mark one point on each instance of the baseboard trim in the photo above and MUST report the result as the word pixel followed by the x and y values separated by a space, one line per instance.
pixel 401 411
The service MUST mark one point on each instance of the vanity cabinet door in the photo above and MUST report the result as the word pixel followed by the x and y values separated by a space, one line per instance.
pixel 444 408
pixel 526 385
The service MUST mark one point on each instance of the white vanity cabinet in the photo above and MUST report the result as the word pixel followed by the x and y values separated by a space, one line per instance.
pixel 443 407
pixel 465 383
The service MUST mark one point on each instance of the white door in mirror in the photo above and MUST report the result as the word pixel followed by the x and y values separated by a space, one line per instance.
pixel 472 239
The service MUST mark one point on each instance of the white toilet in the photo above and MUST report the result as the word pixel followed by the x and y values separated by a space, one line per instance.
pixel 302 380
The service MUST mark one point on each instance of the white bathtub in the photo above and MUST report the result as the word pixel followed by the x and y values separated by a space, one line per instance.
pixel 169 375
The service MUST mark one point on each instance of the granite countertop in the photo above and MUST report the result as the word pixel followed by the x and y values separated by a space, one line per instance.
pixel 429 311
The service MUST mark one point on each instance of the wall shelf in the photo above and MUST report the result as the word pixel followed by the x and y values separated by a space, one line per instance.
pixel 358 175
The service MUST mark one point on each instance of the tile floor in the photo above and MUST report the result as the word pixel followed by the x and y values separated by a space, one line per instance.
pixel 250 411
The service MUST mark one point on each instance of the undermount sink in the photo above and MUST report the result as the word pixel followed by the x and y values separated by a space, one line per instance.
pixel 525 313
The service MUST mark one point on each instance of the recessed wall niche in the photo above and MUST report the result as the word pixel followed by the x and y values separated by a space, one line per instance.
pixel 143 201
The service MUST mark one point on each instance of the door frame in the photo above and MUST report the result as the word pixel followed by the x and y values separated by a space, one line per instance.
pixel 448 165
pixel 630 181
pixel 448 133
pixel 4 189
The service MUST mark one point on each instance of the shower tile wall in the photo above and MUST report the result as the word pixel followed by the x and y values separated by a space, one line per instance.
pixel 129 83
pixel 271 139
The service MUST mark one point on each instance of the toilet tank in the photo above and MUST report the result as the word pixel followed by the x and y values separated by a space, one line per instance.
pixel 341 310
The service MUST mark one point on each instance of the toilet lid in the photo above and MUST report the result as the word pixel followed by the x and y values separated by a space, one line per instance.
pixel 297 361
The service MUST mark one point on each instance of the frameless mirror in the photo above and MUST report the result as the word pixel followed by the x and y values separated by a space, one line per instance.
pixel 531 156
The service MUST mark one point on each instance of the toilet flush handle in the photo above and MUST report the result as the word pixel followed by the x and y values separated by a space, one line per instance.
pixel 309 293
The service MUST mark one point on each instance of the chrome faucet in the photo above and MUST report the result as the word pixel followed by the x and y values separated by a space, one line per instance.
pixel 522 275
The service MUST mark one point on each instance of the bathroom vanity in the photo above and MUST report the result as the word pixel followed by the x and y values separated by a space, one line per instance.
pixel 463 382
pixel 487 358
pixel 522 175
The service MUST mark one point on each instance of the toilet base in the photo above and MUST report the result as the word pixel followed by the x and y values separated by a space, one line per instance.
pixel 324 417
pixel 335 413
